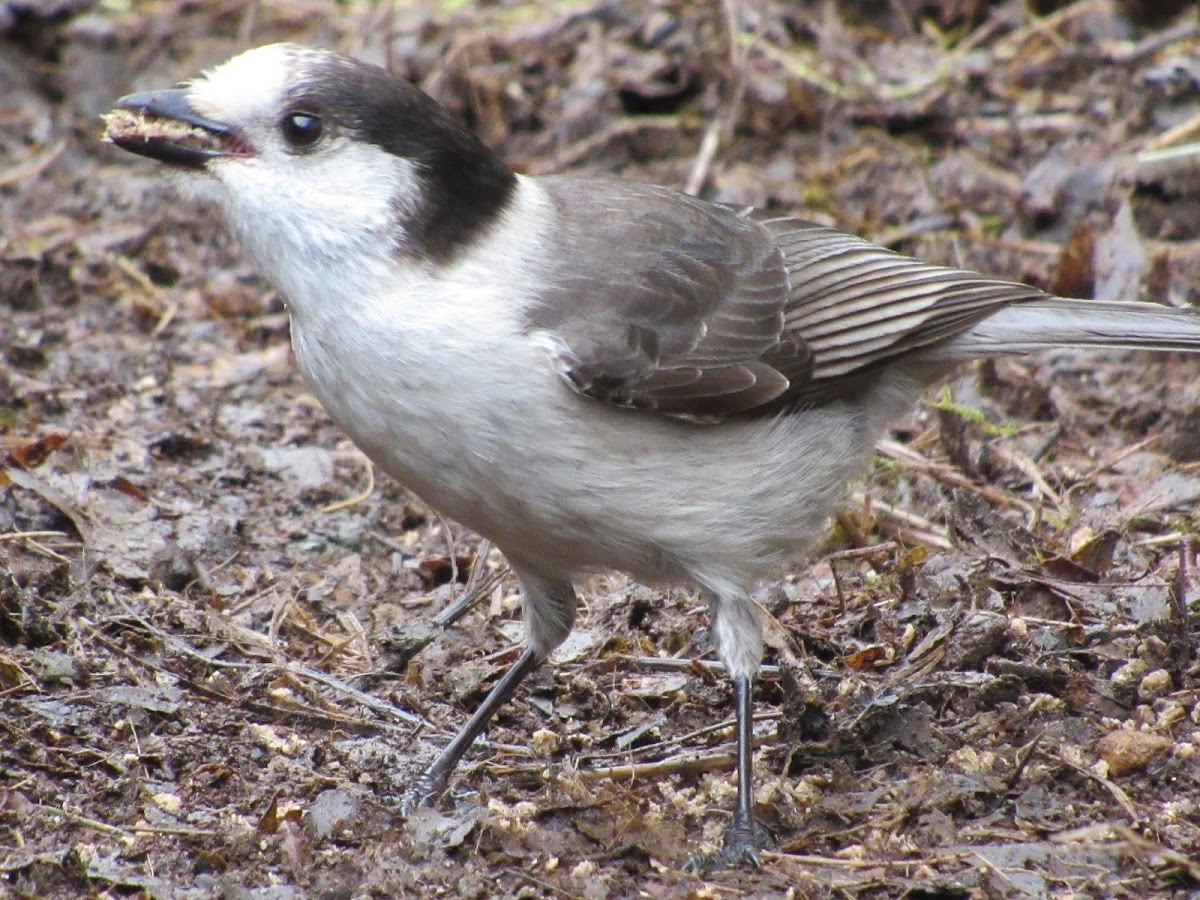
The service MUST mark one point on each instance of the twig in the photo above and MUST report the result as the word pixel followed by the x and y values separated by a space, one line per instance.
pixel 722 125
pixel 1124 453
pixel 943 473
pixel 79 819
pixel 34 166
pixel 1117 792
pixel 686 764
pixel 906 527
pixel 354 499
pixel 682 739
pixel 1169 154
pixel 1181 592
pixel 366 700
pixel 544 885
pixel 839 863
pixel 33 535
pixel 1170 136
pixel 581 150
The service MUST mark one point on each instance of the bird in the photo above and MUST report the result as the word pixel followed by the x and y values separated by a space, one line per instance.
pixel 591 373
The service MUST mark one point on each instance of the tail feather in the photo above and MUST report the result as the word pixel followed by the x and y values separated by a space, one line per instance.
pixel 1054 322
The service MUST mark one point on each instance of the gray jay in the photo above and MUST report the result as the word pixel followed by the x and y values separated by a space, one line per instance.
pixel 592 374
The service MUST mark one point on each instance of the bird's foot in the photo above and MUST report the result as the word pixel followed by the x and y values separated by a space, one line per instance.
pixel 424 792
pixel 743 840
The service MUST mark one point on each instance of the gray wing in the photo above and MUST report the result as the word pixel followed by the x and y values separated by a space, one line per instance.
pixel 697 309
pixel 668 303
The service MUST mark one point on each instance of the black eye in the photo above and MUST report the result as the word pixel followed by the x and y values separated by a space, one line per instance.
pixel 300 129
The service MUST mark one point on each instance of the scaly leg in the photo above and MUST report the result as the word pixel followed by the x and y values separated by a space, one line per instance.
pixel 549 614
pixel 738 634
pixel 432 782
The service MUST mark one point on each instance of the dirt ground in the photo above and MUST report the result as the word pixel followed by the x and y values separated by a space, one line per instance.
pixel 219 660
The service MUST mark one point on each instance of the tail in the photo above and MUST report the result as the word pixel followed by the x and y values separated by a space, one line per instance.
pixel 1055 322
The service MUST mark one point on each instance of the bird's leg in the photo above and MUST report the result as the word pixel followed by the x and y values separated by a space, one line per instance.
pixel 744 837
pixel 738 634
pixel 432 782
pixel 549 606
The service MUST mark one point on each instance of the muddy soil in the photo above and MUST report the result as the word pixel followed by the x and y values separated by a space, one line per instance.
pixel 219 659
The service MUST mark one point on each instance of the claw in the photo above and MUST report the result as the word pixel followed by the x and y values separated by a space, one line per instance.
pixel 743 841
pixel 424 792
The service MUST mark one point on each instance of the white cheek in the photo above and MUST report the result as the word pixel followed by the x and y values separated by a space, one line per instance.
pixel 355 188
pixel 298 215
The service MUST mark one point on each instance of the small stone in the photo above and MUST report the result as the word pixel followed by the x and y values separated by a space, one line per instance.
pixel 1130 673
pixel 1155 684
pixel 545 742
pixel 168 802
pixel 1128 751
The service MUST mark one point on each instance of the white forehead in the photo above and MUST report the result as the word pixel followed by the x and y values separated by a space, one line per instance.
pixel 251 85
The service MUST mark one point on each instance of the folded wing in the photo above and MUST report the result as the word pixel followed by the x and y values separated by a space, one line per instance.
pixel 701 310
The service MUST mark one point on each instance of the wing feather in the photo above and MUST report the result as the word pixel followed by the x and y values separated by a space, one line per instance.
pixel 700 310
pixel 674 303
pixel 857 305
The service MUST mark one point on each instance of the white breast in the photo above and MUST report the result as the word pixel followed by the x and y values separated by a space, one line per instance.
pixel 432 375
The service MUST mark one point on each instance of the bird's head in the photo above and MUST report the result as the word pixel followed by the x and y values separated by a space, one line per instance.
pixel 311 152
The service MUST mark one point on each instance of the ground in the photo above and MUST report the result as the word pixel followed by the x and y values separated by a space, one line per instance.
pixel 219 658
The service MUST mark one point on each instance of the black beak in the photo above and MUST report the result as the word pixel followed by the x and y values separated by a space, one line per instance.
pixel 165 128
